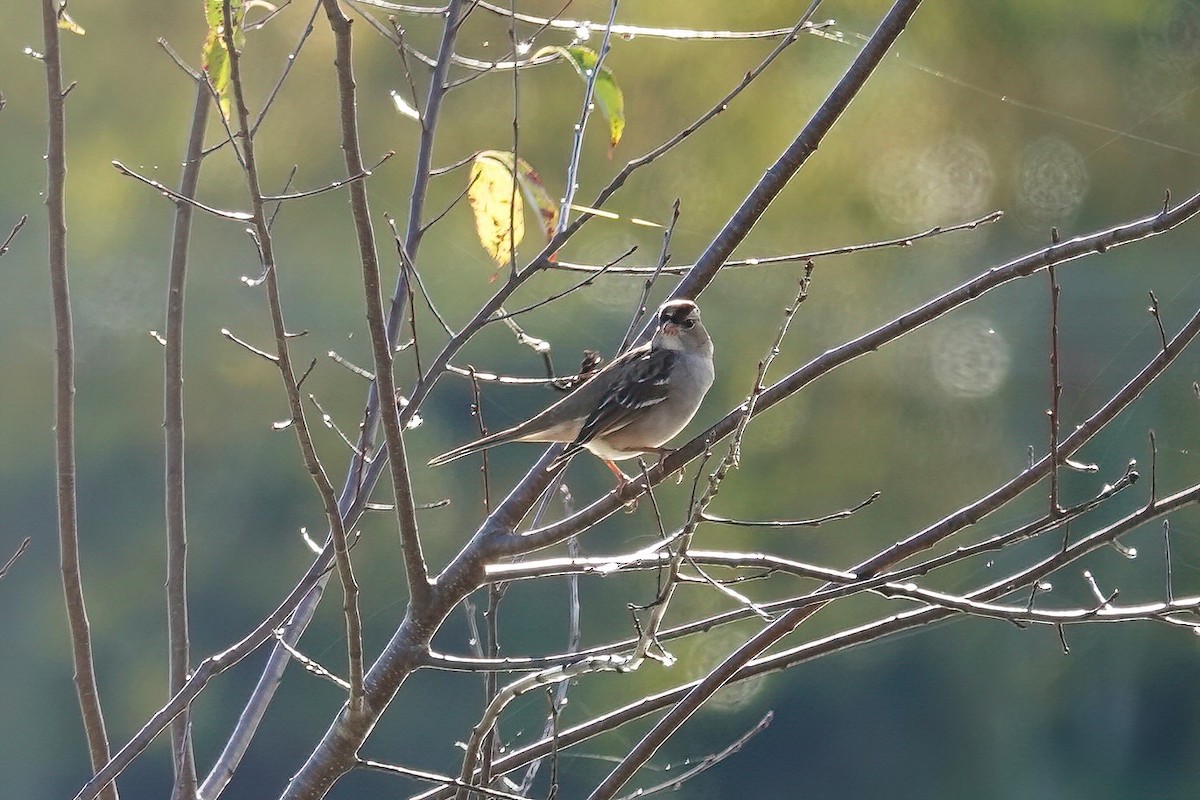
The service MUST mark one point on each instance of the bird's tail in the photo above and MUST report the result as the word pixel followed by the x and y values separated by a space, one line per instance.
pixel 469 448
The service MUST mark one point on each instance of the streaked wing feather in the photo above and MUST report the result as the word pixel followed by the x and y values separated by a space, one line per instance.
pixel 644 385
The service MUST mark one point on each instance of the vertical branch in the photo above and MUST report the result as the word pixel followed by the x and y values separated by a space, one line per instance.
pixel 64 401
pixel 663 257
pixel 358 483
pixel 1055 386
pixel 429 120
pixel 414 559
pixel 287 373
pixel 182 755
pixel 731 461
pixel 585 112
pixel 516 141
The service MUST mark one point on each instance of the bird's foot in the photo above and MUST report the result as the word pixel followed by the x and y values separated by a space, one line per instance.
pixel 623 480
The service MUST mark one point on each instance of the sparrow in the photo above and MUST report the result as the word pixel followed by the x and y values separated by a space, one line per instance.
pixel 630 407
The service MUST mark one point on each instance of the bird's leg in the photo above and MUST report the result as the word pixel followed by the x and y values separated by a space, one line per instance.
pixel 661 452
pixel 622 482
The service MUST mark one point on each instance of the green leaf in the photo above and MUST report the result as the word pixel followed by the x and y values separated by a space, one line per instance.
pixel 499 211
pixel 605 91
pixel 214 59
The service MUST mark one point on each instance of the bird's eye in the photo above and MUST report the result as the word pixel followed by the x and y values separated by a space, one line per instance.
pixel 689 323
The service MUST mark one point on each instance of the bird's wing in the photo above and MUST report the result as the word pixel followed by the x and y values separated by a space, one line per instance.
pixel 640 384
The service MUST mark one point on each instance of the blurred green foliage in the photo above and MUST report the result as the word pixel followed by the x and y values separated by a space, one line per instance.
pixel 1061 113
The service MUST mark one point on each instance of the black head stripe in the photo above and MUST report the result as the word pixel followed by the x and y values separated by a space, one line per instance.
pixel 676 311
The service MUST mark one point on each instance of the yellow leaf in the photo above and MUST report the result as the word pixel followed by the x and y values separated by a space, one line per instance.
pixel 67 24
pixel 499 211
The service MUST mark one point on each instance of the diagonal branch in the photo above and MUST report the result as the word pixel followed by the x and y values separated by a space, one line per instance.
pixel 870 342
pixel 836 642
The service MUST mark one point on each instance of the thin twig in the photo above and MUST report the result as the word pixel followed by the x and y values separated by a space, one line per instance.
pixel 585 112
pixel 759 261
pixel 311 665
pixel 664 256
pixel 1055 385
pixel 237 216
pixel 705 763
pixel 289 62
pixel 588 281
pixel 279 198
pixel 21 548
pixel 433 777
pixel 4 246
pixel 1154 312
pixel 629 31
pixel 1166 526
pixel 793 523
pixel 381 337
pixel 287 373
pixel 192 73
pixel 274 359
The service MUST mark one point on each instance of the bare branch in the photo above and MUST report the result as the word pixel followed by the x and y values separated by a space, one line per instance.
pixel 8 240
pixel 260 353
pixel 628 31
pixel 166 191
pixel 21 548
pixel 759 261
pixel 1055 386
pixel 364 174
pixel 381 339
pixel 287 374
pixel 793 523
pixel 86 690
pixel 872 341
pixel 705 763
pixel 182 754
pixel 433 777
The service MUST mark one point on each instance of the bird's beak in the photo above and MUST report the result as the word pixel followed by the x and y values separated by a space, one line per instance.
pixel 670 329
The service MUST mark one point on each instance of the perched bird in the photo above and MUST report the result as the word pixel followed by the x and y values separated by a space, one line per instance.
pixel 633 405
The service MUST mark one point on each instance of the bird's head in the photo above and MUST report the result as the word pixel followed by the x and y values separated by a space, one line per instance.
pixel 678 326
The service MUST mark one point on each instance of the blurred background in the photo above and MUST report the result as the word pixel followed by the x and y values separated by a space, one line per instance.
pixel 1061 114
